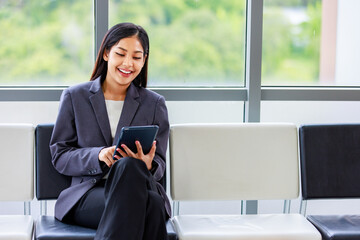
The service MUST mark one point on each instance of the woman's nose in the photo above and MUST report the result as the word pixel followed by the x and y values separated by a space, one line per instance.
pixel 128 61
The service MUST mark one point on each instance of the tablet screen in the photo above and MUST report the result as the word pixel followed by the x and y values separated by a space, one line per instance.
pixel 144 134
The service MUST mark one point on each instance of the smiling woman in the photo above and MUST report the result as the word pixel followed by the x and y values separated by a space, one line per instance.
pixel 121 197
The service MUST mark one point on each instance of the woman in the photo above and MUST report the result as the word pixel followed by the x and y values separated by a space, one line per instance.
pixel 122 198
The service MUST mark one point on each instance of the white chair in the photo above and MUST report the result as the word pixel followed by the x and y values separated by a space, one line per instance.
pixel 246 161
pixel 16 178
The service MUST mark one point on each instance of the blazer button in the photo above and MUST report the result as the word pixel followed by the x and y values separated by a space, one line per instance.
pixel 93 180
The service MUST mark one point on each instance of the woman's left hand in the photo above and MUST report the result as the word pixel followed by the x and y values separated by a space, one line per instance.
pixel 146 158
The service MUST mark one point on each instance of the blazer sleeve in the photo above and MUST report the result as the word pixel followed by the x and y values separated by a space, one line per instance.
pixel 67 157
pixel 160 119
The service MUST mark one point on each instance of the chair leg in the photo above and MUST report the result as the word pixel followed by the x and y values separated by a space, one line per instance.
pixel 242 207
pixel 43 208
pixel 251 207
pixel 287 204
pixel 27 208
pixel 303 207
pixel 176 206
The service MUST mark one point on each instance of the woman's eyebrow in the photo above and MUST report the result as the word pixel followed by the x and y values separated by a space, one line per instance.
pixel 127 50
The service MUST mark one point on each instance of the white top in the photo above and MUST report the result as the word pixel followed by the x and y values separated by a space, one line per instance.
pixel 114 109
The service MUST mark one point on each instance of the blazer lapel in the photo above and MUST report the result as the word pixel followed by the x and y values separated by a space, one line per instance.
pixel 97 101
pixel 131 104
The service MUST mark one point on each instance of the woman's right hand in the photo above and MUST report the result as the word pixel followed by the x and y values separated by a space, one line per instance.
pixel 106 156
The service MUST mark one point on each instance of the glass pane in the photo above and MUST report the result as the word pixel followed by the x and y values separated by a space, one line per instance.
pixel 46 42
pixel 311 42
pixel 192 42
pixel 291 42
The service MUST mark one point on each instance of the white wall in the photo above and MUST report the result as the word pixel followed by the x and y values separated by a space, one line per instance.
pixel 347 45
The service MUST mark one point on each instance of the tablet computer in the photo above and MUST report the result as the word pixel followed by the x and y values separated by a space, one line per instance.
pixel 144 134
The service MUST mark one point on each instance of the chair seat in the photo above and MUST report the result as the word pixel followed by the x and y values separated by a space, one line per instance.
pixel 48 228
pixel 254 227
pixel 337 227
pixel 16 227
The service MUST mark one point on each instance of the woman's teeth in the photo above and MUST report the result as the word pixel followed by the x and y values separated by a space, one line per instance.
pixel 123 71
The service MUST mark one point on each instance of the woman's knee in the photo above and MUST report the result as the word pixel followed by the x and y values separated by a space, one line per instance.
pixel 156 204
pixel 128 162
pixel 132 166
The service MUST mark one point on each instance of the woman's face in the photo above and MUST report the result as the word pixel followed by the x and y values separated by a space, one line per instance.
pixel 125 61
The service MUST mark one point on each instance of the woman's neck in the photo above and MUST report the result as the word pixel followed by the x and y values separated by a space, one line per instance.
pixel 117 93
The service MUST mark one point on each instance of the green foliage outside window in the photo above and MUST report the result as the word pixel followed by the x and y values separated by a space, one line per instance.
pixel 193 42
pixel 291 51
pixel 45 42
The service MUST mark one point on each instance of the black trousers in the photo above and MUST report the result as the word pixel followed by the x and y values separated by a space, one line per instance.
pixel 125 206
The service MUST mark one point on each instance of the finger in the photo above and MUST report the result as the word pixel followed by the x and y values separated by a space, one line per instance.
pixel 128 151
pixel 115 154
pixel 110 160
pixel 117 157
pixel 139 148
pixel 153 149
pixel 112 150
pixel 107 162
pixel 123 154
pixel 109 154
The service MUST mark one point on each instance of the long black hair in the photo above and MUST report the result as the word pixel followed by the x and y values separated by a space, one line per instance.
pixel 112 37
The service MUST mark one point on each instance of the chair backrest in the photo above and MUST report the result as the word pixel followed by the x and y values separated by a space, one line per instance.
pixel 16 162
pixel 330 161
pixel 49 182
pixel 245 161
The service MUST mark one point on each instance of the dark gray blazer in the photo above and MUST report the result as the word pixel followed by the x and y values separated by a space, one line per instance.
pixel 82 129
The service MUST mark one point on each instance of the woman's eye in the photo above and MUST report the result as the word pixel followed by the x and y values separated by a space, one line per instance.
pixel 137 58
pixel 120 54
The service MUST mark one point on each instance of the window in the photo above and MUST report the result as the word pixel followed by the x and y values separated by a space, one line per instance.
pixel 310 42
pixel 192 42
pixel 46 42
pixel 291 40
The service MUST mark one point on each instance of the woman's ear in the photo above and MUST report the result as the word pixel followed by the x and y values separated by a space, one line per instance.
pixel 145 57
pixel 106 55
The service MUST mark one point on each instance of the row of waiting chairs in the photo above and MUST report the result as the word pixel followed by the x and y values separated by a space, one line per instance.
pixel 247 161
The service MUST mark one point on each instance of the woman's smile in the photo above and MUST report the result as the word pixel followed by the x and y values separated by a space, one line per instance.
pixel 124 72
